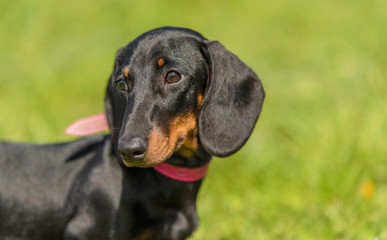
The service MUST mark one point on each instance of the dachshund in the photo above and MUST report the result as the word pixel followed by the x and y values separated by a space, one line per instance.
pixel 174 99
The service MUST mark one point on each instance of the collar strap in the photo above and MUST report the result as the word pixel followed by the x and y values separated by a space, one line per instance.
pixel 182 174
pixel 88 125
pixel 98 123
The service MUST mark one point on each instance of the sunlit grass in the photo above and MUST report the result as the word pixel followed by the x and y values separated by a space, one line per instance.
pixel 315 167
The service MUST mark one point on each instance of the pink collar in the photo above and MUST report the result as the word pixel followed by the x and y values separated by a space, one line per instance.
pixel 98 123
pixel 182 174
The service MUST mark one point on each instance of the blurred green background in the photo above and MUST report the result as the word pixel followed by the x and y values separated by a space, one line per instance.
pixel 315 167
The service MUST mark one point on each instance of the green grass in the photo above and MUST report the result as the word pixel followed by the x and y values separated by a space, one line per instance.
pixel 322 132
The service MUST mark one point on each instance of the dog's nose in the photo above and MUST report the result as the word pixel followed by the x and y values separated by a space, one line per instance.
pixel 135 149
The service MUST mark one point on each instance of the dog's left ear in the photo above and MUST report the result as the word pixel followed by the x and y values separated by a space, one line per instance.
pixel 232 102
pixel 113 109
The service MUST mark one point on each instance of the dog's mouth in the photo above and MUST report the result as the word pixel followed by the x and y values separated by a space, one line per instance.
pixel 136 163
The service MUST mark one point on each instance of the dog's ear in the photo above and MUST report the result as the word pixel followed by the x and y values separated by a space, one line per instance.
pixel 232 102
pixel 113 107
pixel 114 111
pixel 109 105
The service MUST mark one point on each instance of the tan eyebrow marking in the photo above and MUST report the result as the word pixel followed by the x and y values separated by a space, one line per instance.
pixel 161 62
pixel 126 72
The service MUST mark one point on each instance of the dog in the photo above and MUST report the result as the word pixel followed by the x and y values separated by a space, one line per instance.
pixel 174 99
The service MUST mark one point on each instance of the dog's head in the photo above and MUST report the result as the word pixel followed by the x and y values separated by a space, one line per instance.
pixel 172 92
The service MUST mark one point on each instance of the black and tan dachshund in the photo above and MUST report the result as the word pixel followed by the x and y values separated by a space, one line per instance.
pixel 173 98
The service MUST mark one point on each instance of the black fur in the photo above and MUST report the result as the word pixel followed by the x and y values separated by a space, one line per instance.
pixel 82 190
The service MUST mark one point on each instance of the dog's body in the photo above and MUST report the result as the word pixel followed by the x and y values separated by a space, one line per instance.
pixel 78 190
pixel 173 97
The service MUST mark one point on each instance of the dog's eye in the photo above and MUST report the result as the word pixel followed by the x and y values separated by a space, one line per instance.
pixel 173 77
pixel 121 84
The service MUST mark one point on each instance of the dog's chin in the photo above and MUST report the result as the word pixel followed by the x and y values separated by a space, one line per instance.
pixel 143 164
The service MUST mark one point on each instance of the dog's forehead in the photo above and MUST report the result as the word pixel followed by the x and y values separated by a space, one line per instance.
pixel 162 42
pixel 173 46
